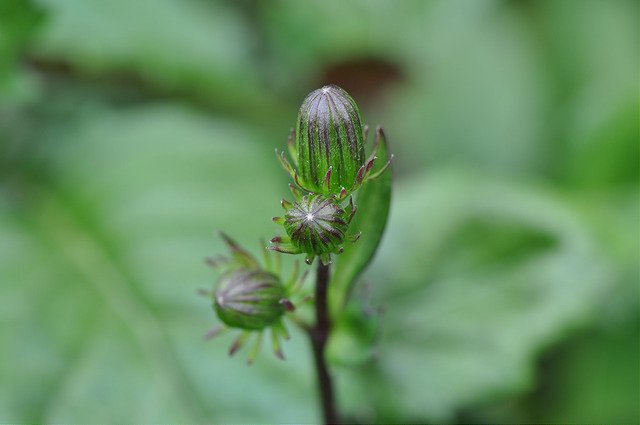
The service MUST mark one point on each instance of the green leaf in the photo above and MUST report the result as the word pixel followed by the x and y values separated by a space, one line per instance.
pixel 353 336
pixel 476 277
pixel 373 202
pixel 197 48
pixel 18 23
pixel 587 364
pixel 101 256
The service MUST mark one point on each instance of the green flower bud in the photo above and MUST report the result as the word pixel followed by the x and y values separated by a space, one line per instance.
pixel 315 225
pixel 249 299
pixel 329 140
pixel 327 145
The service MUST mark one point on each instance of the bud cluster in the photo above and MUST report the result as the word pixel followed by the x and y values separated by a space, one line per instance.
pixel 327 147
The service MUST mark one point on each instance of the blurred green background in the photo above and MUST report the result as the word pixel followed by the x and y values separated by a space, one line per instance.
pixel 508 277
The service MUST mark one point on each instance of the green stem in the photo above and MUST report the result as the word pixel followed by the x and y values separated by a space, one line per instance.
pixel 319 335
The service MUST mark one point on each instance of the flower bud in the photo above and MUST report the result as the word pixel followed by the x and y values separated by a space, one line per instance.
pixel 329 141
pixel 249 299
pixel 252 298
pixel 315 225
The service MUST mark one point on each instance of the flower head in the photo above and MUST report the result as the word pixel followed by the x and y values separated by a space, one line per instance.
pixel 251 298
pixel 329 135
pixel 327 145
pixel 315 225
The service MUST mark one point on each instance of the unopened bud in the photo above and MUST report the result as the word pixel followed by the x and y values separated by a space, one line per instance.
pixel 316 225
pixel 249 299
pixel 329 141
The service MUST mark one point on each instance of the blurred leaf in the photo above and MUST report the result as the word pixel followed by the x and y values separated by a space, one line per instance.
pixel 100 257
pixel 608 155
pixel 203 49
pixel 594 379
pixel 353 335
pixel 19 21
pixel 357 29
pixel 476 277
pixel 373 202
pixel 592 53
pixel 481 107
pixel 571 385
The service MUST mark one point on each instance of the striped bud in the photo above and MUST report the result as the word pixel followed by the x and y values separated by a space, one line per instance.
pixel 329 141
pixel 249 299
pixel 316 224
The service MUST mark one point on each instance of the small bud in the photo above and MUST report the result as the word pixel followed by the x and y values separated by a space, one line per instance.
pixel 315 225
pixel 329 141
pixel 249 299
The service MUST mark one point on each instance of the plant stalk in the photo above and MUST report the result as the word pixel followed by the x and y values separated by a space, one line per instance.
pixel 319 334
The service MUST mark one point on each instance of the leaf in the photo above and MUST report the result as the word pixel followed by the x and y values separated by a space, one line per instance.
pixel 587 364
pixel 18 24
pixel 353 336
pixel 373 202
pixel 189 47
pixel 476 276
pixel 101 256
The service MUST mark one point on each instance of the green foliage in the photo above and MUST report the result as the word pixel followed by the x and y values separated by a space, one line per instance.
pixel 505 288
pixel 101 321
pixel 506 271
pixel 19 20
pixel 199 49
